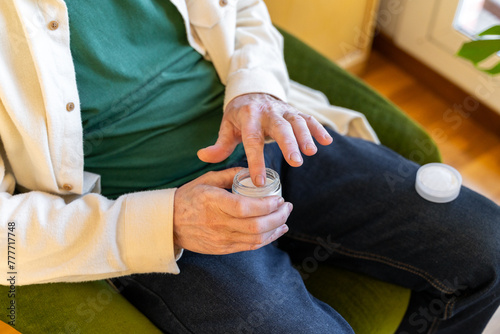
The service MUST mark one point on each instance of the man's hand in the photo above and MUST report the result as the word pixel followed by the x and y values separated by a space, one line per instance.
pixel 250 118
pixel 210 220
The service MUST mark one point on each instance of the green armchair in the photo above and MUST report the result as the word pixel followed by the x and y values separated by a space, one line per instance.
pixel 370 306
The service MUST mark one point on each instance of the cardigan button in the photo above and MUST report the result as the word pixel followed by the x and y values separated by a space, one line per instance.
pixel 53 25
pixel 67 187
pixel 223 3
pixel 70 106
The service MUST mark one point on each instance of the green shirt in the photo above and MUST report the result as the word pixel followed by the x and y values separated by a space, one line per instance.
pixel 149 101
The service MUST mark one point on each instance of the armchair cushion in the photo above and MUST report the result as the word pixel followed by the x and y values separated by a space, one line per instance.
pixel 91 307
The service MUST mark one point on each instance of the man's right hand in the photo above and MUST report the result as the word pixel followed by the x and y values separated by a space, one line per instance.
pixel 210 220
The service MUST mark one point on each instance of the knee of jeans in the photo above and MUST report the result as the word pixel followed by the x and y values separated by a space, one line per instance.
pixel 472 227
pixel 479 260
pixel 491 260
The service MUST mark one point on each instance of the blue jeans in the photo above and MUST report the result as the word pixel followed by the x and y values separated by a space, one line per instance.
pixel 359 200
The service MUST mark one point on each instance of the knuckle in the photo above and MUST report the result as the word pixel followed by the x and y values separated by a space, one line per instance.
pixel 254 137
pixel 262 107
pixel 307 118
pixel 204 192
pixel 224 139
pixel 245 109
pixel 306 139
pixel 294 118
pixel 278 122
pixel 259 242
pixel 267 204
pixel 260 239
pixel 240 209
pixel 289 142
pixel 255 110
pixel 256 228
pixel 275 104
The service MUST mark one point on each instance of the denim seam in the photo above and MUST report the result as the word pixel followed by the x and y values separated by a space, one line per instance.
pixel 374 257
pixel 434 326
pixel 449 308
pixel 449 305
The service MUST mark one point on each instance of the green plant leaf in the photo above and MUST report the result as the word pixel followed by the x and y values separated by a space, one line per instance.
pixel 495 30
pixel 477 51
pixel 494 70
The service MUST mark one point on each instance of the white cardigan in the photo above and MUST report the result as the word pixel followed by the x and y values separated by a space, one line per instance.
pixel 64 230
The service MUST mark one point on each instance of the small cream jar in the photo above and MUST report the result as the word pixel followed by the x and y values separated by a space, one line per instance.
pixel 243 185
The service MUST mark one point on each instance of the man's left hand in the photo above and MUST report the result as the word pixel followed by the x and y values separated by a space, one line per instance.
pixel 250 118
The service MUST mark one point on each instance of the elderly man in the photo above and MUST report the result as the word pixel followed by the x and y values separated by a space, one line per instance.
pixel 109 110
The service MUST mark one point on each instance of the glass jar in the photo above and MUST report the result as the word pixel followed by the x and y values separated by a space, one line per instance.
pixel 243 185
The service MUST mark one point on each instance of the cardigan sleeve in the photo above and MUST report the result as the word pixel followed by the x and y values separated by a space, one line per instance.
pixel 244 46
pixel 47 232
pixel 257 63
pixel 53 238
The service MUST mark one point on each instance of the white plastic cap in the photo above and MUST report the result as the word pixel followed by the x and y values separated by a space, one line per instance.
pixel 438 183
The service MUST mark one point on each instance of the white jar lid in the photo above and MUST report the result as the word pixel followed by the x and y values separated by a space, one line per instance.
pixel 438 182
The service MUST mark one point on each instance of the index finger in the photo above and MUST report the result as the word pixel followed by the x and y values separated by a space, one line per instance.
pixel 253 140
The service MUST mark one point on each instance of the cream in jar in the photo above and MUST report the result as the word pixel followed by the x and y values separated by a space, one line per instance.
pixel 243 185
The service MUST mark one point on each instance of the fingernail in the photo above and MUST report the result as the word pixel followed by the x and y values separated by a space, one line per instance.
pixel 290 207
pixel 295 157
pixel 281 201
pixel 284 229
pixel 259 180
pixel 328 137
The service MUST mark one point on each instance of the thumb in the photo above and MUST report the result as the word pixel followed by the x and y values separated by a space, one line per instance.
pixel 226 142
pixel 220 179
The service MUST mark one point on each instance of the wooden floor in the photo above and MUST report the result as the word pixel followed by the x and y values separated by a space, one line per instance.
pixel 464 144
pixel 473 150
